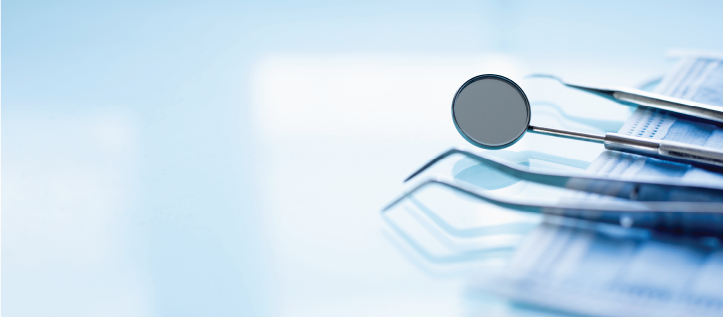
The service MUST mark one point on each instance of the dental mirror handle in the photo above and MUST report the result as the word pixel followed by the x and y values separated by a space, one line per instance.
pixel 676 151
pixel 663 149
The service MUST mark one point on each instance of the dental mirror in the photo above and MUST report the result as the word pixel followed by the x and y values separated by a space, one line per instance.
pixel 492 112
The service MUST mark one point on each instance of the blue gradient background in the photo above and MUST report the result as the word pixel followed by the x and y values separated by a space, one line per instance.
pixel 178 177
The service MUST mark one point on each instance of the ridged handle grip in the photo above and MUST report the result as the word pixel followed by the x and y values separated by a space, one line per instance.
pixel 691 153
pixel 667 150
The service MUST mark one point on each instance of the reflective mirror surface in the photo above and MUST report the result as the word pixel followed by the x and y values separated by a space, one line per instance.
pixel 491 111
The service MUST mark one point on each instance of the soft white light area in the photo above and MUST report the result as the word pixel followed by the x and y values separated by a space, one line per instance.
pixel 336 135
pixel 388 96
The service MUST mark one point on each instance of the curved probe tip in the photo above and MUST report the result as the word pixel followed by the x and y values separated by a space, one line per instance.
pixel 432 162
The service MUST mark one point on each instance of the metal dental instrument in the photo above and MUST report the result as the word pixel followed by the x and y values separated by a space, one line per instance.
pixel 701 218
pixel 639 189
pixel 492 112
pixel 635 97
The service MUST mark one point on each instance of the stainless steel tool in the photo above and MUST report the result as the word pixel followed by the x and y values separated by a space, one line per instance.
pixel 699 218
pixel 640 189
pixel 636 97
pixel 492 112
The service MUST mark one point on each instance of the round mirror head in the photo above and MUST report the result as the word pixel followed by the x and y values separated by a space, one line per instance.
pixel 491 111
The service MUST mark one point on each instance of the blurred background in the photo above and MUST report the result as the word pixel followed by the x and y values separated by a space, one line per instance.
pixel 230 158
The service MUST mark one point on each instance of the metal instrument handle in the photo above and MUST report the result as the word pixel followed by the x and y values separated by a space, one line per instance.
pixel 686 107
pixel 670 150
pixel 692 153
pixel 638 97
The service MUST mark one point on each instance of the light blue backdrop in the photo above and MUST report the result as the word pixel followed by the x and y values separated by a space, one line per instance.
pixel 131 163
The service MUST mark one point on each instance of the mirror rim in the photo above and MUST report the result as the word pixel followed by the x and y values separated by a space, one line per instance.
pixel 508 81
